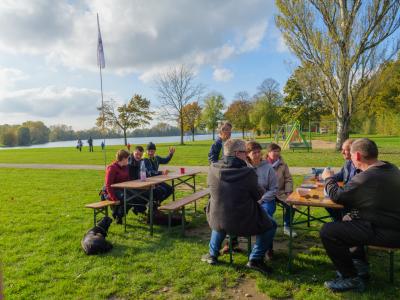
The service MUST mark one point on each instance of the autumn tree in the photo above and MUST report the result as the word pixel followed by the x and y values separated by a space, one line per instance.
pixel 176 88
pixel 38 131
pixel 191 117
pixel 238 114
pixel 134 114
pixel 341 43
pixel 302 101
pixel 264 112
pixel 212 111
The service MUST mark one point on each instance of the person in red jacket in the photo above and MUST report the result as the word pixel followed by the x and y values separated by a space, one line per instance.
pixel 115 173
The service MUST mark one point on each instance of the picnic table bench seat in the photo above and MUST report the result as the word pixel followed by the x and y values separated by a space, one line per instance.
pixel 100 207
pixel 181 203
pixel 391 258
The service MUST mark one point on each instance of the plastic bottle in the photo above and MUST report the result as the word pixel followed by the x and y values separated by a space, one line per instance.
pixel 142 171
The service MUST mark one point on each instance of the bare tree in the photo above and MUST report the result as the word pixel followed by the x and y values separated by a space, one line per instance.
pixel 176 88
pixel 341 43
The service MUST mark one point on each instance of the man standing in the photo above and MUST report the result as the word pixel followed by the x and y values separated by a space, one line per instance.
pixel 374 193
pixel 233 208
pixel 90 142
pixel 224 134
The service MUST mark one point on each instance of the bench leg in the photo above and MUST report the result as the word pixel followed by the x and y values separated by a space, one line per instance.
pixel 248 246
pixel 169 220
pixel 230 250
pixel 308 216
pixel 391 267
pixel 94 216
pixel 183 220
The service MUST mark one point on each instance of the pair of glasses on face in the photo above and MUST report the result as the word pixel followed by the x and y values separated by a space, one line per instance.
pixel 311 197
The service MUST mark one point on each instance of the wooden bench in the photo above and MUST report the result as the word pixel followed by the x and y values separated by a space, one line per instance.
pixel 294 146
pixel 101 207
pixel 181 203
pixel 391 259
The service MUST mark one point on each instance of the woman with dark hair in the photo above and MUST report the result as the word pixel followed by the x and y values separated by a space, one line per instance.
pixel 285 182
pixel 115 173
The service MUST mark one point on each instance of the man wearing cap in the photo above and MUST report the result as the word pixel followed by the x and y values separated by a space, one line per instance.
pixel 152 162
pixel 233 208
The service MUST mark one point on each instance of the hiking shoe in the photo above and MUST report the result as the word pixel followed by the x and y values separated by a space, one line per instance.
pixel 341 284
pixel 208 258
pixel 259 265
pixel 362 268
pixel 286 231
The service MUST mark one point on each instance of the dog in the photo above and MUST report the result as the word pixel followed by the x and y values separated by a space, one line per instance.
pixel 94 241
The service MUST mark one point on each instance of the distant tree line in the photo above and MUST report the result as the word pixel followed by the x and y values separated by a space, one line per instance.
pixel 36 132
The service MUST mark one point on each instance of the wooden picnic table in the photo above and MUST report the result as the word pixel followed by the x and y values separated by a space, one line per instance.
pixel 315 198
pixel 144 189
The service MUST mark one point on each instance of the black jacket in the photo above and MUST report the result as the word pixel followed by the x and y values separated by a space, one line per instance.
pixel 233 205
pixel 374 192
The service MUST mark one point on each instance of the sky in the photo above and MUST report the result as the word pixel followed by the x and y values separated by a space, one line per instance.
pixel 48 53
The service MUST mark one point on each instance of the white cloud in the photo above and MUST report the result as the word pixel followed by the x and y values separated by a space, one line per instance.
pixel 8 77
pixel 137 35
pixel 222 74
pixel 254 36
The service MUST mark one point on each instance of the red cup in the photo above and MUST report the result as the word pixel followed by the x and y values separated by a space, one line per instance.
pixel 182 170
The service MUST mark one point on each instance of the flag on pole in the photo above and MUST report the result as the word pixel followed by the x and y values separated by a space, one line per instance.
pixel 100 52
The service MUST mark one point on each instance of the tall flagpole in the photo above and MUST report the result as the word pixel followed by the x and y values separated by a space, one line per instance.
pixel 101 64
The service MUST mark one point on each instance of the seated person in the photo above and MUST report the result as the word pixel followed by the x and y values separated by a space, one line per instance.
pixel 344 175
pixel 233 207
pixel 374 193
pixel 224 133
pixel 134 162
pixel 267 180
pixel 117 172
pixel 152 162
pixel 285 183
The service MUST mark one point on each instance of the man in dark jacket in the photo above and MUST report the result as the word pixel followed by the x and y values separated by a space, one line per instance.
pixel 233 208
pixel 224 134
pixel 374 193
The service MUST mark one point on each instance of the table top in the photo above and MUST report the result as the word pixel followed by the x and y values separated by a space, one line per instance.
pixel 151 181
pixel 316 197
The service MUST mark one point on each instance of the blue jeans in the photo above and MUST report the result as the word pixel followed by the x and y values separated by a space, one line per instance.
pixel 263 240
pixel 270 207
pixel 286 214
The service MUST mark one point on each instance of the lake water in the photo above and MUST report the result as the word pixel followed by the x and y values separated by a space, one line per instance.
pixel 120 141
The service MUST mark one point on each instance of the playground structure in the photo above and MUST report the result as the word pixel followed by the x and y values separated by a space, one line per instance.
pixel 295 138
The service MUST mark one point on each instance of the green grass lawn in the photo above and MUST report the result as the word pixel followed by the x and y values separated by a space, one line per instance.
pixel 43 220
pixel 191 154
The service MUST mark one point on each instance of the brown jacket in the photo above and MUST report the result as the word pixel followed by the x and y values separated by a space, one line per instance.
pixel 285 181
pixel 233 205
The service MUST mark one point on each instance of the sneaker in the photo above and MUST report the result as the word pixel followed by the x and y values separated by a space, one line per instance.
pixel 208 258
pixel 362 268
pixel 341 284
pixel 286 231
pixel 259 265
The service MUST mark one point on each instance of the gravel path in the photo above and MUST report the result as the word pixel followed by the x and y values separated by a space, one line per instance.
pixel 202 169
